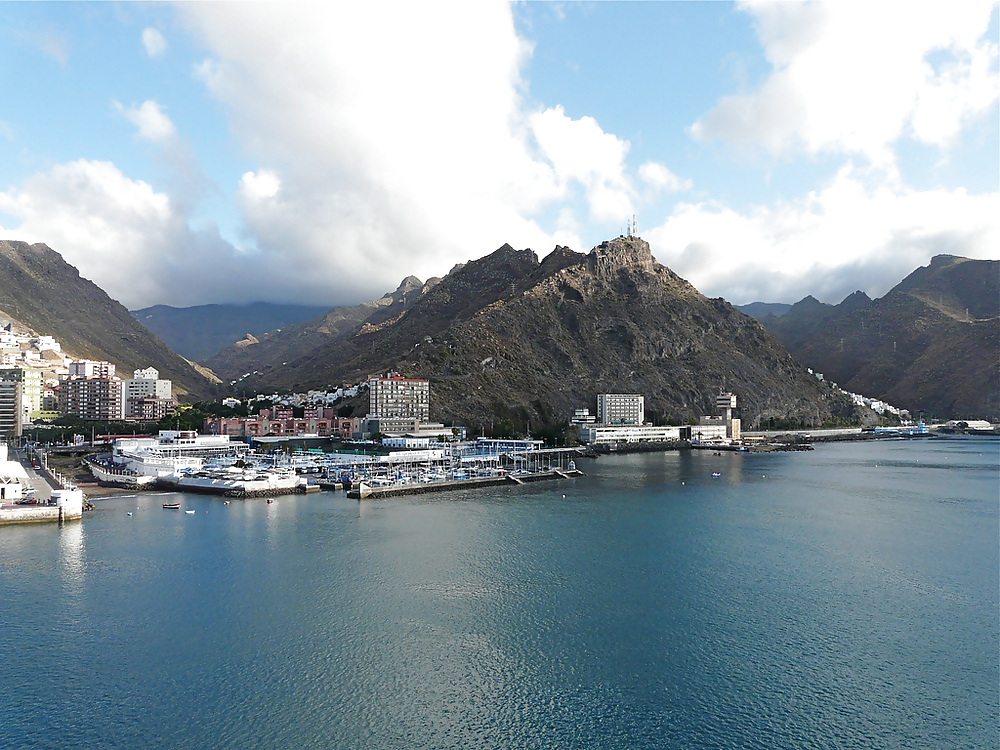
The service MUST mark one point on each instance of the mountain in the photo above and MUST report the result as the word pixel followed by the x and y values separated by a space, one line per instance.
pixel 759 309
pixel 507 337
pixel 931 344
pixel 198 332
pixel 275 347
pixel 44 293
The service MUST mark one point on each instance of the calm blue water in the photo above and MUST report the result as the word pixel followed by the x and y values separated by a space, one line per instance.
pixel 843 598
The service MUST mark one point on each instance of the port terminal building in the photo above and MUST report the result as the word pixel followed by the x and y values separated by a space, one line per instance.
pixel 623 407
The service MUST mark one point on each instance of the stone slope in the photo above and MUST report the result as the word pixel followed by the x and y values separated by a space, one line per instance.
pixel 46 294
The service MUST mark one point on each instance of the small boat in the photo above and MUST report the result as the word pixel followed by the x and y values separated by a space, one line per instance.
pixel 225 502
pixel 172 506
pixel 190 511
pixel 716 475
pixel 130 513
pixel 270 500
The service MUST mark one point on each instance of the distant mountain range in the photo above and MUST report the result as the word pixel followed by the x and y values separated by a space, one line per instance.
pixel 44 293
pixel 759 309
pixel 294 342
pixel 507 337
pixel 931 344
pixel 198 332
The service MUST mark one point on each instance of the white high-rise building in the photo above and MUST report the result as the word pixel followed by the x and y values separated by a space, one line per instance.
pixel 147 397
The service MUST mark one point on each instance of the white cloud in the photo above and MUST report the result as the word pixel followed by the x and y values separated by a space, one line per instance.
pixel 862 230
pixel 125 236
pixel 402 151
pixel 853 77
pixel 257 187
pixel 659 177
pixel 579 150
pixel 154 42
pixel 149 118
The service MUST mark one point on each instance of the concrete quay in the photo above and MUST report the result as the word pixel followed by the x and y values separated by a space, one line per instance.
pixel 66 505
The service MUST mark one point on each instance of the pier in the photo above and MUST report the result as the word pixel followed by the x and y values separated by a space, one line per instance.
pixel 366 492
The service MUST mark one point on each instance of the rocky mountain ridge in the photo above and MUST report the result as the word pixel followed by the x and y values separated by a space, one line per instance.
pixel 507 336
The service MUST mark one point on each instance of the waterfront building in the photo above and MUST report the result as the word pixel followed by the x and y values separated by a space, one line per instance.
pixel 507 445
pixel 583 417
pixel 405 441
pixel 395 397
pixel 620 409
pixel 725 403
pixel 649 434
pixel 172 451
pixel 13 478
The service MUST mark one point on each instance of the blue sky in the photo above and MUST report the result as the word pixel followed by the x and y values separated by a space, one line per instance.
pixel 196 153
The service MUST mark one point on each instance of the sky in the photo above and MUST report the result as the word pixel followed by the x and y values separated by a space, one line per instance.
pixel 200 153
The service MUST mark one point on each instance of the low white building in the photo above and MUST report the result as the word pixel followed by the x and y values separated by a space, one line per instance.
pixel 13 478
pixel 649 434
pixel 410 443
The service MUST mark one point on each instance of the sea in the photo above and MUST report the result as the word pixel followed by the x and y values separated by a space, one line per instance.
pixel 845 597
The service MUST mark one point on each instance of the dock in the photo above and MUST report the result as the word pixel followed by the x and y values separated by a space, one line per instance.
pixel 366 492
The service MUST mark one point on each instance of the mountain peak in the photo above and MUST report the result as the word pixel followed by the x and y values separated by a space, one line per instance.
pixel 622 252
pixel 409 284
pixel 854 300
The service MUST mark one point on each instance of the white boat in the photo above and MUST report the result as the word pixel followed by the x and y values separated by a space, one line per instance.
pixel 237 482
pixel 172 451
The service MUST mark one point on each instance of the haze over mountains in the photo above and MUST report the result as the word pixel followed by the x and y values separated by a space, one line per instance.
pixel 44 293
pixel 198 332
